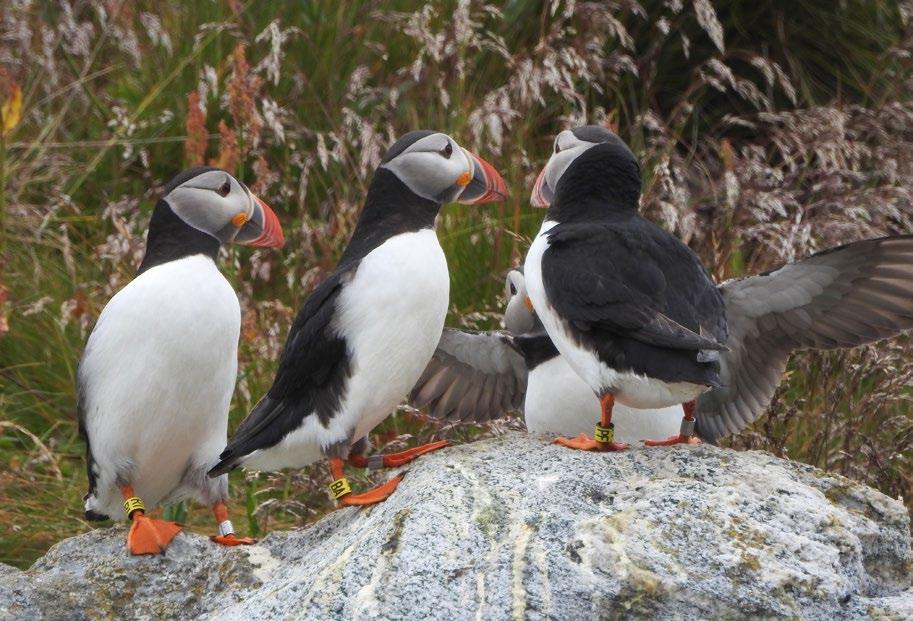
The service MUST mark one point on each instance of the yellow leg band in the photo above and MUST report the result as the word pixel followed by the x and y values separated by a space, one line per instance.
pixel 340 487
pixel 134 503
pixel 604 434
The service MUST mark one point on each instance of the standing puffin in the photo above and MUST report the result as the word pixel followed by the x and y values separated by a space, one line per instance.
pixel 364 335
pixel 630 307
pixel 478 376
pixel 156 378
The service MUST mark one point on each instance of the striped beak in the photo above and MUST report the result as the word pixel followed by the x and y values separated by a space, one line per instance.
pixel 262 228
pixel 542 194
pixel 484 183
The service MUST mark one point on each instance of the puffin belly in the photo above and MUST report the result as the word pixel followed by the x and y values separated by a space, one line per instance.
pixel 391 314
pixel 558 401
pixel 157 380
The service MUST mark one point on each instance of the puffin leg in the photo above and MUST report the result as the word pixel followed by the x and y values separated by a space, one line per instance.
pixel 604 433
pixel 226 536
pixel 147 535
pixel 685 434
pixel 394 460
pixel 343 491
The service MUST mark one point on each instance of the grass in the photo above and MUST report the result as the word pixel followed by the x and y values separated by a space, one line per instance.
pixel 105 124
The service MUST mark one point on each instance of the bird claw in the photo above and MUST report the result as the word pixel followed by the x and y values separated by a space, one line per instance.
pixel 673 440
pixel 585 443
pixel 150 536
pixel 372 496
pixel 232 540
pixel 393 460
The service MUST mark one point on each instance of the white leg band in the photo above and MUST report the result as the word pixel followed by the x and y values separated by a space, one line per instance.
pixel 226 528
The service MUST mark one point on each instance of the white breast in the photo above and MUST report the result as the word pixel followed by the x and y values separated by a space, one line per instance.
pixel 559 402
pixel 391 315
pixel 158 374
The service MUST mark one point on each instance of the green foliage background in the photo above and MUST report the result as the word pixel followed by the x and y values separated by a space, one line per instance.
pixel 767 130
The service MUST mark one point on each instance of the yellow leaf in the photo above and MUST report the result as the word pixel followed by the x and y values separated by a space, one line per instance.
pixel 11 110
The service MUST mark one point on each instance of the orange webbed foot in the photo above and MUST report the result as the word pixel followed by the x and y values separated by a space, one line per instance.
pixel 232 540
pixel 673 440
pixel 150 536
pixel 372 496
pixel 394 460
pixel 585 443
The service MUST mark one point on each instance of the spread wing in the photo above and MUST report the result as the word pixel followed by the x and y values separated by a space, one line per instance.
pixel 472 376
pixel 638 283
pixel 309 381
pixel 844 297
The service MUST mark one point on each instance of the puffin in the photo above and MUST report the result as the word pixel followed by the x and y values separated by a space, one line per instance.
pixel 640 320
pixel 365 334
pixel 629 306
pixel 157 374
pixel 478 376
pixel 842 297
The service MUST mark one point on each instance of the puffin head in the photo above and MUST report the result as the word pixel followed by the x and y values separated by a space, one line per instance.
pixel 214 202
pixel 570 145
pixel 519 316
pixel 433 166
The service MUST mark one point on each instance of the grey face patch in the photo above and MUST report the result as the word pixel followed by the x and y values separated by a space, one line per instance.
pixel 209 201
pixel 430 164
pixel 518 319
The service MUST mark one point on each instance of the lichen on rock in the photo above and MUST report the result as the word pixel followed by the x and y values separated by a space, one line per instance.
pixel 514 527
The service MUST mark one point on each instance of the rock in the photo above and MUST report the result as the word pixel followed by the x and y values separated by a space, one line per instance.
pixel 514 527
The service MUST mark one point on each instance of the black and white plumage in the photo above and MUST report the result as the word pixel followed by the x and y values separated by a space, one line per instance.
pixel 629 306
pixel 478 376
pixel 362 338
pixel 842 297
pixel 158 371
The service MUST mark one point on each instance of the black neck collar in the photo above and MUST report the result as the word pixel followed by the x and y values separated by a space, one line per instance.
pixel 602 184
pixel 170 238
pixel 391 208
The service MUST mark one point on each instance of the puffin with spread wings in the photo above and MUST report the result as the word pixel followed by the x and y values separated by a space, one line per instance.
pixel 842 297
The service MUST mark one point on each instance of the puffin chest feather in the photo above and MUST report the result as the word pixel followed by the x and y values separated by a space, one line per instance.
pixel 391 315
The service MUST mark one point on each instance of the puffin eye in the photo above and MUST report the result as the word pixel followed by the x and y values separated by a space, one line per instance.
pixel 557 147
pixel 447 151
pixel 513 289
pixel 224 189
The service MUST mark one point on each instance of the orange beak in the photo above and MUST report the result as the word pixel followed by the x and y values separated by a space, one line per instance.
pixel 542 194
pixel 483 184
pixel 262 229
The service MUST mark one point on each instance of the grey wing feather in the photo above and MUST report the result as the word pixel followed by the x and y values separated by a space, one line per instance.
pixel 472 376
pixel 848 296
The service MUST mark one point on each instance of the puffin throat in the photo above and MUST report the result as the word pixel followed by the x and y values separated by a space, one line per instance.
pixel 170 239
